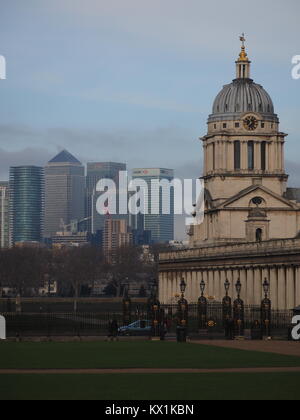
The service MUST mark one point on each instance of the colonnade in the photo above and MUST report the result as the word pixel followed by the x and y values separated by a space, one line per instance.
pixel 284 283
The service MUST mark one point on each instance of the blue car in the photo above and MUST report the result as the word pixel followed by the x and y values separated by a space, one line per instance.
pixel 140 327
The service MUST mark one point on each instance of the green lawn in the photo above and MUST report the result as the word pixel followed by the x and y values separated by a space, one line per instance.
pixel 238 386
pixel 134 355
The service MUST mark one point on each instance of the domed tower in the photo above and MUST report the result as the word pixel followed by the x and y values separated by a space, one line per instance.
pixel 243 157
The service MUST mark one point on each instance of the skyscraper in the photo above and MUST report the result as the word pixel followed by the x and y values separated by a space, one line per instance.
pixel 95 172
pixel 161 225
pixel 26 204
pixel 4 214
pixel 64 192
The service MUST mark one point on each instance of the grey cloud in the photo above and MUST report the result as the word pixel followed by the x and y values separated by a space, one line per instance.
pixel 27 156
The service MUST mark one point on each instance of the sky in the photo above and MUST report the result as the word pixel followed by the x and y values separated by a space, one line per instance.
pixel 133 81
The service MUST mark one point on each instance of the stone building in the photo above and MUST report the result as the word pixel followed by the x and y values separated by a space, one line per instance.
pixel 252 219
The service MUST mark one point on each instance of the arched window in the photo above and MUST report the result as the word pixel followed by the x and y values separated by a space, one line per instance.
pixel 237 155
pixel 214 156
pixel 259 235
pixel 251 155
pixel 263 156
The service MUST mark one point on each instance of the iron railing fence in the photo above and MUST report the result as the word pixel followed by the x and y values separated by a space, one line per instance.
pixel 96 323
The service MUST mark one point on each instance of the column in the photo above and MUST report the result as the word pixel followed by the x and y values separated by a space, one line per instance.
pixel 217 285
pixel 250 287
pixel 230 156
pixel 243 278
pixel 204 159
pixel 222 282
pixel 196 282
pixel 267 156
pixel 197 285
pixel 257 286
pixel 206 281
pixel 160 286
pixel 189 293
pixel 257 156
pixel 211 283
pixel 281 288
pixel 282 156
pixel 230 278
pixel 274 287
pixel 224 154
pixel 244 155
pixel 271 156
pixel 290 288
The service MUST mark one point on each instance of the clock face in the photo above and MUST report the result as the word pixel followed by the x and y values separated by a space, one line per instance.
pixel 250 123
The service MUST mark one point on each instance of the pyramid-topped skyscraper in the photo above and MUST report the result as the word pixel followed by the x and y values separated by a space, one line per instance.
pixel 64 192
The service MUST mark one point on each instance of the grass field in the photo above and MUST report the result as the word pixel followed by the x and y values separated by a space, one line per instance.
pixel 134 355
pixel 237 386
pixel 126 386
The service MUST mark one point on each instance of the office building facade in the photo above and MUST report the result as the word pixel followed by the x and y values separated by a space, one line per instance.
pixel 64 192
pixel 4 214
pixel 95 172
pixel 26 204
pixel 159 224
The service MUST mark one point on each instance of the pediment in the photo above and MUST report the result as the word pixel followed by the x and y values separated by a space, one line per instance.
pixel 270 199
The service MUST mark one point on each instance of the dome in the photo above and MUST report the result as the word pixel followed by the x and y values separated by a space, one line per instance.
pixel 243 95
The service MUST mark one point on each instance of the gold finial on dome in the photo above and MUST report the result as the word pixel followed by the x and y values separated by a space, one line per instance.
pixel 243 55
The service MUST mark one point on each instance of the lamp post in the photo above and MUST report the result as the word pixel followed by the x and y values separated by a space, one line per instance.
pixel 154 310
pixel 227 308
pixel 202 307
pixel 182 314
pixel 126 306
pixel 238 310
pixel 266 310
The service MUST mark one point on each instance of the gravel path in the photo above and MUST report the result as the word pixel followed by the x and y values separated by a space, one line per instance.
pixel 141 371
pixel 289 348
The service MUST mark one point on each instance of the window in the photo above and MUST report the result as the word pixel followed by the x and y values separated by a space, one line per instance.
pixel 224 125
pixel 263 156
pixel 262 125
pixel 237 155
pixel 215 126
pixel 251 155
pixel 259 235
pixel 237 125
pixel 214 156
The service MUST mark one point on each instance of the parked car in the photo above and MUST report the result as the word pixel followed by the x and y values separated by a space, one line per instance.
pixel 140 327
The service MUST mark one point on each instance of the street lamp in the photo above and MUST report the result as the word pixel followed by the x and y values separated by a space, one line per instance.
pixel 227 309
pixel 182 314
pixel 266 287
pixel 266 310
pixel 202 287
pixel 238 288
pixel 182 287
pixel 227 286
pixel 202 307
pixel 239 310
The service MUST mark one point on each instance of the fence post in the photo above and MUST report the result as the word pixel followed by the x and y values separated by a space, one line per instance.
pixel 202 308
pixel 126 307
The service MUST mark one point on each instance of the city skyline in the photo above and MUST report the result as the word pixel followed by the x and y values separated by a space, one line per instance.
pixel 110 85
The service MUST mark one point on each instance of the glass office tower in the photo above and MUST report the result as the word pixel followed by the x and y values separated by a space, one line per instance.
pixel 26 185
pixel 161 225
pixel 4 214
pixel 95 172
pixel 64 193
